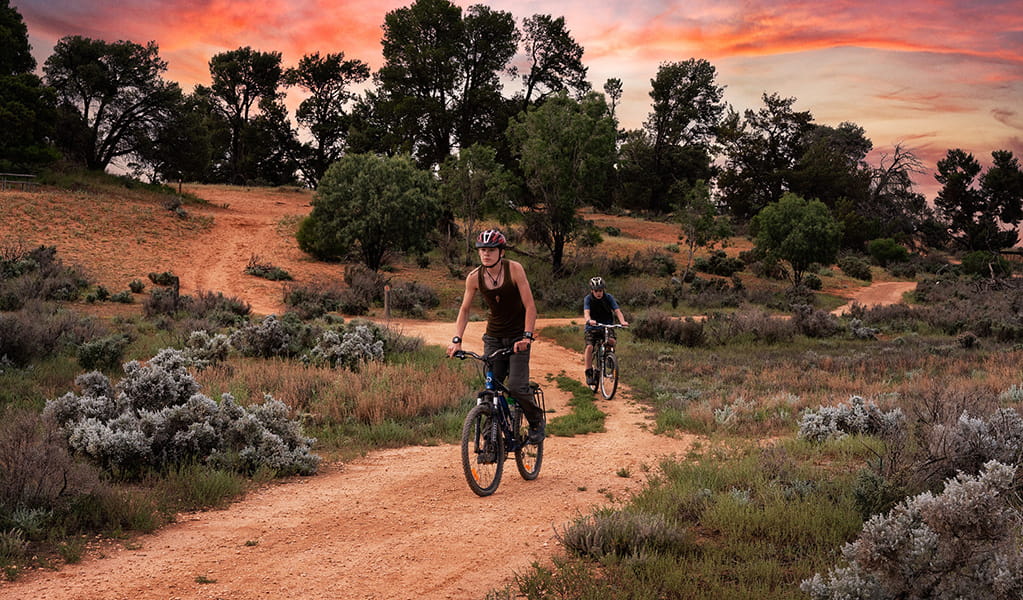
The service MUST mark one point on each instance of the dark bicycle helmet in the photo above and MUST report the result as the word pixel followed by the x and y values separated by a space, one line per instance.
pixel 597 283
pixel 491 238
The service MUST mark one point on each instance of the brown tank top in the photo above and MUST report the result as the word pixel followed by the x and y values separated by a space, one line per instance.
pixel 507 313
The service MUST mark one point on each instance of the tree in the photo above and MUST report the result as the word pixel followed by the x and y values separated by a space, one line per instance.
pixel 242 80
pixel 899 212
pixel 182 148
pixel 984 217
pixel 799 231
pixel 759 154
pixel 440 85
pixel 370 205
pixel 555 60
pixel 27 108
pixel 613 92
pixel 702 226
pixel 833 169
pixel 108 95
pixel 566 151
pixel 474 185
pixel 326 80
pixel 686 110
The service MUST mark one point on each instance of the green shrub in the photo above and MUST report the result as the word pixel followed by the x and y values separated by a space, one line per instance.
pixel 886 251
pixel 986 264
pixel 855 266
pixel 104 353
pixel 136 286
pixel 165 278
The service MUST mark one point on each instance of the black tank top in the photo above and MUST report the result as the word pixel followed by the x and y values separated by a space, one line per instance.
pixel 507 313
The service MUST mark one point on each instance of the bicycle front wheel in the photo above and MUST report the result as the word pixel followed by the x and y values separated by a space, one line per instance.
pixel 608 375
pixel 482 450
pixel 528 457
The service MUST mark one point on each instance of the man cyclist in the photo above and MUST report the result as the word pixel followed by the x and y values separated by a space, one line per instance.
pixel 512 317
pixel 599 308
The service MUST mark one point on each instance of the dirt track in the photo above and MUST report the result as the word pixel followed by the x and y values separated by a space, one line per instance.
pixel 396 524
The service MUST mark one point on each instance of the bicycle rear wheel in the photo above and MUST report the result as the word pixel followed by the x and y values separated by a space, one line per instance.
pixel 483 452
pixel 528 457
pixel 609 375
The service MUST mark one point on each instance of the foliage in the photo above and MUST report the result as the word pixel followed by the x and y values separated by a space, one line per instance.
pixel 104 353
pixel 886 251
pixel 370 205
pixel 701 225
pixel 349 349
pixel 155 418
pixel 961 543
pixel 38 471
pixel 983 263
pixel 798 231
pixel 242 81
pixel 326 80
pixel 474 185
pixel 984 217
pixel 759 153
pixel 555 60
pixel 108 94
pixel 859 416
pixel 440 84
pixel 565 150
pixel 266 270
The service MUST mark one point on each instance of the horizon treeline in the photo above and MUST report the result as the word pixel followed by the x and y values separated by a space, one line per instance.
pixel 449 83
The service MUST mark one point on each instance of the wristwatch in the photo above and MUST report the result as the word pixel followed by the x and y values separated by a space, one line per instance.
pixel 456 340
pixel 528 335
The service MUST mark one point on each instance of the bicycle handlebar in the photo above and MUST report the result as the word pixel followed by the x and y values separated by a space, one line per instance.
pixel 613 326
pixel 464 354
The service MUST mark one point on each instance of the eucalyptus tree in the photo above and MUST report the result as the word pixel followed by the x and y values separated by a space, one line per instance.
pixel 760 150
pixel 686 111
pixel 108 94
pixel 27 108
pixel 555 60
pixel 243 80
pixel 566 151
pixel 983 211
pixel 474 185
pixel 799 231
pixel 324 112
pixel 440 85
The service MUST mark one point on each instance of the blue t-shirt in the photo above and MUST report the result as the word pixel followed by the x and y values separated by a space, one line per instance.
pixel 602 311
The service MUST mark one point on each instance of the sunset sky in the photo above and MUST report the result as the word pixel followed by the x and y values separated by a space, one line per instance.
pixel 932 75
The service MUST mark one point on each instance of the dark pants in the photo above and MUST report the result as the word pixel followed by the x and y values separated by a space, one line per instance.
pixel 514 368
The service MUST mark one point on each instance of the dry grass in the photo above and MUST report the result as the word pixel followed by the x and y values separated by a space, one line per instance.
pixel 377 393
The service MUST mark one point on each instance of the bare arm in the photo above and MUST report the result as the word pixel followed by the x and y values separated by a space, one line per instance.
pixel 519 277
pixel 621 317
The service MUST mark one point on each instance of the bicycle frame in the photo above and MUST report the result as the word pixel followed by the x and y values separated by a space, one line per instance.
pixel 495 393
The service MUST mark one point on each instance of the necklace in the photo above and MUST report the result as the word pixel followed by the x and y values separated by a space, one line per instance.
pixel 493 279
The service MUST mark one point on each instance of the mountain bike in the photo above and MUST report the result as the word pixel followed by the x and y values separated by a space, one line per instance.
pixel 605 364
pixel 496 426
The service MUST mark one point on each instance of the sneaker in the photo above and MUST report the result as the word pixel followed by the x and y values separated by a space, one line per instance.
pixel 591 377
pixel 536 433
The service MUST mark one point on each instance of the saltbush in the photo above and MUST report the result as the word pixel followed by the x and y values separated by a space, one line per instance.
pixel 857 417
pixel 962 543
pixel 155 418
pixel 203 350
pixel 348 349
pixel 266 270
pixel 966 445
pixel 413 298
pixel 815 323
